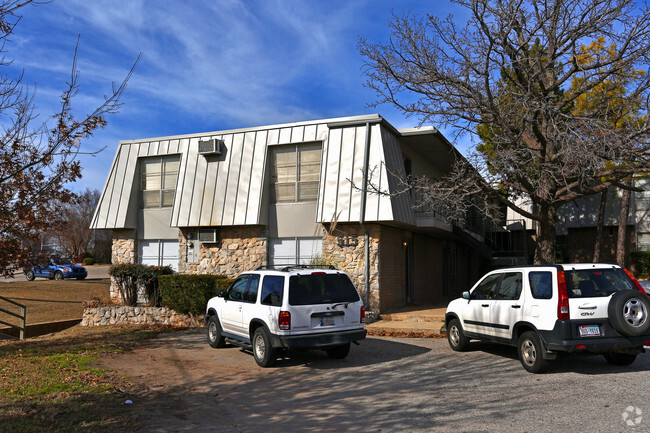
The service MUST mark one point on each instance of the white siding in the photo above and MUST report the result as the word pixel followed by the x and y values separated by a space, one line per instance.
pixel 229 190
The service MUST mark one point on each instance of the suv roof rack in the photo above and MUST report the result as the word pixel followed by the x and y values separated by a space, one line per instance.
pixel 287 268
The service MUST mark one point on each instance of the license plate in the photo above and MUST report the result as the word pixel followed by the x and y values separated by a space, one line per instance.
pixel 327 321
pixel 589 330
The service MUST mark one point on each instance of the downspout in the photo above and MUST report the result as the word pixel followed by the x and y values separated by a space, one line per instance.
pixel 362 217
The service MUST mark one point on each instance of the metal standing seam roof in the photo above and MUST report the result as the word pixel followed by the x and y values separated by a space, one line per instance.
pixel 229 191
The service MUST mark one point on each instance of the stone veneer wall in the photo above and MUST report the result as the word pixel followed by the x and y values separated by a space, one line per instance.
pixel 240 249
pixel 122 251
pixel 102 316
pixel 351 258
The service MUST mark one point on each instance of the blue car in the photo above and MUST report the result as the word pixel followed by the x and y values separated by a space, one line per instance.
pixel 56 271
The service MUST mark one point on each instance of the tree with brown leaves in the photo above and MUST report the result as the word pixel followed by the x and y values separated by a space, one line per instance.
pixel 513 73
pixel 37 160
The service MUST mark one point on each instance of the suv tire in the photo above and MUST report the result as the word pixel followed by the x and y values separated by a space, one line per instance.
pixel 215 336
pixel 620 359
pixel 628 313
pixel 531 352
pixel 456 337
pixel 338 352
pixel 263 351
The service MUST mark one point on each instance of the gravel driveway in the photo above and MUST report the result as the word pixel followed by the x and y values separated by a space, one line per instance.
pixel 386 384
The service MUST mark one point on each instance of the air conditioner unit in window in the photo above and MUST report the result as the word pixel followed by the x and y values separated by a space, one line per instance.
pixel 208 236
pixel 210 147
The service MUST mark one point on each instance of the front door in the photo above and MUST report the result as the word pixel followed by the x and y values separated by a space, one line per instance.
pixel 231 314
pixel 476 315
pixel 507 309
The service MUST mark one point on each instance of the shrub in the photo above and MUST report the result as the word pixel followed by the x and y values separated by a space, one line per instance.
pixel 641 261
pixel 127 276
pixel 88 261
pixel 189 294
pixel 151 284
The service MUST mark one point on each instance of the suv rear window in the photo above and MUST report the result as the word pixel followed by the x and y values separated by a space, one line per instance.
pixel 592 283
pixel 320 288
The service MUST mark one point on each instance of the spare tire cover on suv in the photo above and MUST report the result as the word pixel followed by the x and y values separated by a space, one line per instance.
pixel 628 313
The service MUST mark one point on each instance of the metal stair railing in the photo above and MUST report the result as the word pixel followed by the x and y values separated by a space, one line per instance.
pixel 22 316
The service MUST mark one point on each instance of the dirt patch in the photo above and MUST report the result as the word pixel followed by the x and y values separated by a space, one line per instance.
pixel 49 300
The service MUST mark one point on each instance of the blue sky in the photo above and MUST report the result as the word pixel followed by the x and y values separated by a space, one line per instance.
pixel 206 65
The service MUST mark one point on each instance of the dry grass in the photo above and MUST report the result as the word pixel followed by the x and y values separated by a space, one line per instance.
pixel 49 300
pixel 51 384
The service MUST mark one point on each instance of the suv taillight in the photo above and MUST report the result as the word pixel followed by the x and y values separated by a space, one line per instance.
pixel 284 320
pixel 563 297
pixel 636 283
pixel 362 318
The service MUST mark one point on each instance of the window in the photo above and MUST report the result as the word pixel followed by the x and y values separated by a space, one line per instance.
pixel 487 288
pixel 510 287
pixel 541 285
pixel 158 185
pixel 272 290
pixel 251 293
pixel 293 251
pixel 295 171
pixel 157 252
pixel 236 291
pixel 321 289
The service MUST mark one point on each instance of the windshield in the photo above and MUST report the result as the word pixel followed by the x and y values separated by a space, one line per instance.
pixel 590 283
pixel 320 288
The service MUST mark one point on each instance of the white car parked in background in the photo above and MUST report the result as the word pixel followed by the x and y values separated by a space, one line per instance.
pixel 547 310
pixel 270 311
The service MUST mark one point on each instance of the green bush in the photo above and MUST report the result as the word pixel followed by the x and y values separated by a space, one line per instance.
pixel 189 294
pixel 88 261
pixel 127 276
pixel 641 261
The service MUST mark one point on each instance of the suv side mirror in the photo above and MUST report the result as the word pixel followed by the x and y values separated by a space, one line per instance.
pixel 466 296
pixel 222 293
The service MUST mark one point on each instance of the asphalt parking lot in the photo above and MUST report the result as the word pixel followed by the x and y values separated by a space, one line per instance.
pixel 385 384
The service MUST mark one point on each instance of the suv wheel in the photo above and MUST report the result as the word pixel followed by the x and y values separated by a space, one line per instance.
pixel 263 352
pixel 628 313
pixel 338 352
pixel 620 358
pixel 457 339
pixel 215 336
pixel 531 352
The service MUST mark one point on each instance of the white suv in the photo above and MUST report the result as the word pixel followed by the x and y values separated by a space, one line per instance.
pixel 548 310
pixel 269 311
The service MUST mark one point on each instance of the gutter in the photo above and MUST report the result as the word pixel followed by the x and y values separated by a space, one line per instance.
pixel 362 217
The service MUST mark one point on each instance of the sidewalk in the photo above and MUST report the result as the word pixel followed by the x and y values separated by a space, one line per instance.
pixel 421 319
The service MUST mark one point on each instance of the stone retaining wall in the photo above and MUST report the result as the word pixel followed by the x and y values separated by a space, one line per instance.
pixel 102 316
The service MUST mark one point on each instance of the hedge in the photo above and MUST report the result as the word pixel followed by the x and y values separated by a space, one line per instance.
pixel 641 260
pixel 189 294
pixel 130 276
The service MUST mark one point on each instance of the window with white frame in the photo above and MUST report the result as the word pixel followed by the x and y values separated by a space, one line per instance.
pixel 158 184
pixel 292 251
pixel 158 252
pixel 295 170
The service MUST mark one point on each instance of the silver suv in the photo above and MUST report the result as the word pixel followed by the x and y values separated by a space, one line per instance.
pixel 269 311
pixel 548 310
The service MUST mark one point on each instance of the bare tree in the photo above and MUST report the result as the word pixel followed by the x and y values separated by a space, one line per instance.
pixel 513 73
pixel 73 233
pixel 37 160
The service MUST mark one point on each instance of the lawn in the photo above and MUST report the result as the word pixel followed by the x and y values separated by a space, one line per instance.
pixel 49 383
pixel 49 300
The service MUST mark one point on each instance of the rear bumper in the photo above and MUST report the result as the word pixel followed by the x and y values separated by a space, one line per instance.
pixel 603 345
pixel 322 340
pixel 564 338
